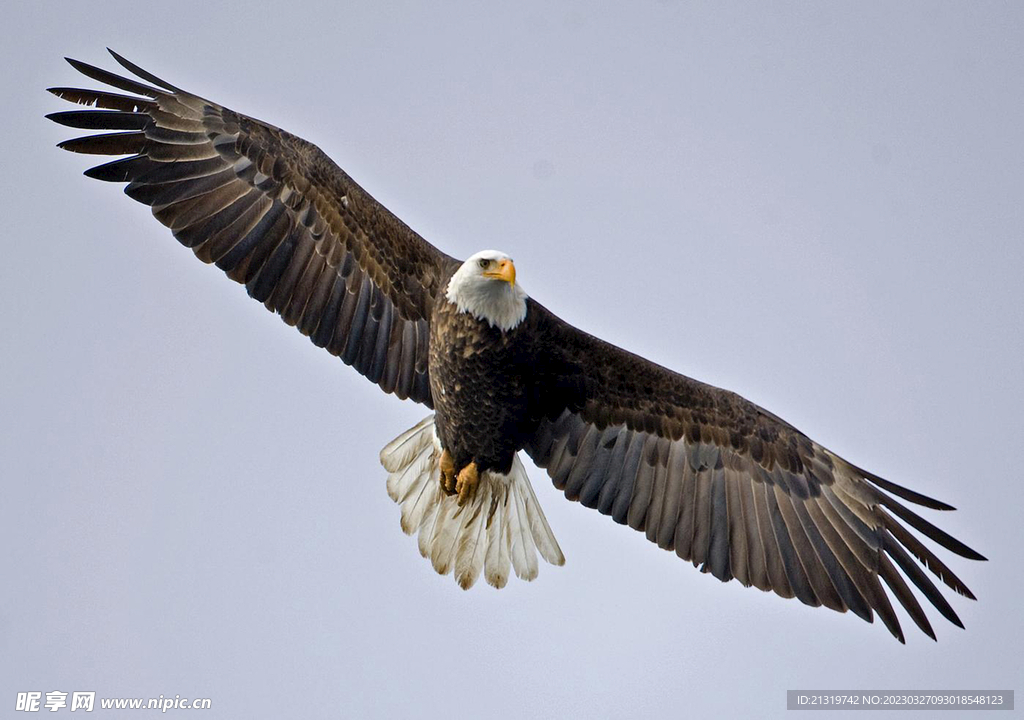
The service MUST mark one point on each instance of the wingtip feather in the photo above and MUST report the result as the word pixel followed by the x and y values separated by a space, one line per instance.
pixel 144 74
pixel 940 536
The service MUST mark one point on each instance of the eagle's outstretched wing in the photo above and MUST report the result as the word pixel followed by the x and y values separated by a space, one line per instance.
pixel 273 212
pixel 728 485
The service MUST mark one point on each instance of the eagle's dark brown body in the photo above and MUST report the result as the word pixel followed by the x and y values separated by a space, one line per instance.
pixel 481 382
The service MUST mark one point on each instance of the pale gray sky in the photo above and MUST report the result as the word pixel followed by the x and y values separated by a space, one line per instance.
pixel 816 205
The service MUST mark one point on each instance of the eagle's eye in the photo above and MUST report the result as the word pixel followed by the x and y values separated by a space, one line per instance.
pixel 484 262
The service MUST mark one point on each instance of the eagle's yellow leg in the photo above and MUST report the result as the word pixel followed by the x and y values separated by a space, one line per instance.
pixel 447 473
pixel 466 482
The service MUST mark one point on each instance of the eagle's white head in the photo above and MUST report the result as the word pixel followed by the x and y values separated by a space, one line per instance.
pixel 485 287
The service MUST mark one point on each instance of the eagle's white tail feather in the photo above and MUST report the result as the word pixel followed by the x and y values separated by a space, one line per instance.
pixel 469 550
pixel 524 549
pixel 496 557
pixel 539 528
pixel 446 532
pixel 426 528
pixel 502 526
pixel 397 453
pixel 416 509
pixel 410 478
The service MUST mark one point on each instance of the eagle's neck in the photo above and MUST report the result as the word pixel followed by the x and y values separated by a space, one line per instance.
pixel 497 303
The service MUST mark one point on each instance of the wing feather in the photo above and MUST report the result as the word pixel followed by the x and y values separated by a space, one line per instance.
pixel 749 532
pixel 737 540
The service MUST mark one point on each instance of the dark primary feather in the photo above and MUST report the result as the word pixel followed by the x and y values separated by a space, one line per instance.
pixel 726 484
pixel 275 214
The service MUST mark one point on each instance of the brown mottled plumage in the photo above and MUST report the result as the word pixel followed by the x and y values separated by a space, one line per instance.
pixel 699 470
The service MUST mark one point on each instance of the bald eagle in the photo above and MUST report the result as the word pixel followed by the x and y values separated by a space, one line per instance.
pixel 701 471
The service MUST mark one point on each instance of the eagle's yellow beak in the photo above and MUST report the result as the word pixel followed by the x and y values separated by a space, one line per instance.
pixel 505 271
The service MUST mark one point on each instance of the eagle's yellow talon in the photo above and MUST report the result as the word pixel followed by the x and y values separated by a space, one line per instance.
pixel 466 482
pixel 447 473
